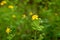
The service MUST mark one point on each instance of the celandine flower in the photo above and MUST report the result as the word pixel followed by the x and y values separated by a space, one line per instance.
pixel 8 30
pixel 3 2
pixel 34 17
pixel 14 16
pixel 10 6
pixel 24 16
pixel 31 13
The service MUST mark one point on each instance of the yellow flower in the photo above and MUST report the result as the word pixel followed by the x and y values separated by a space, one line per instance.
pixel 10 6
pixel 14 16
pixel 34 17
pixel 8 30
pixel 3 2
pixel 24 16
pixel 31 13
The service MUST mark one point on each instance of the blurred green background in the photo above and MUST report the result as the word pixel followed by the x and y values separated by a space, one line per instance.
pixel 29 19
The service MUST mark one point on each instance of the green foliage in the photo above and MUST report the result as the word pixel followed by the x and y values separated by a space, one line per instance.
pixel 16 19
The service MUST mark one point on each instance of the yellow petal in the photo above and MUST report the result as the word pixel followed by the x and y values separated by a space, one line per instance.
pixel 34 17
pixel 1 3
pixel 10 6
pixel 14 16
pixel 8 30
pixel 24 16
pixel 31 13
pixel 4 2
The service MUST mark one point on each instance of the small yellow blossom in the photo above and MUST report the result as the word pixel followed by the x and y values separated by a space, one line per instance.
pixel 31 13
pixel 3 2
pixel 10 6
pixel 8 30
pixel 24 16
pixel 14 16
pixel 34 17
